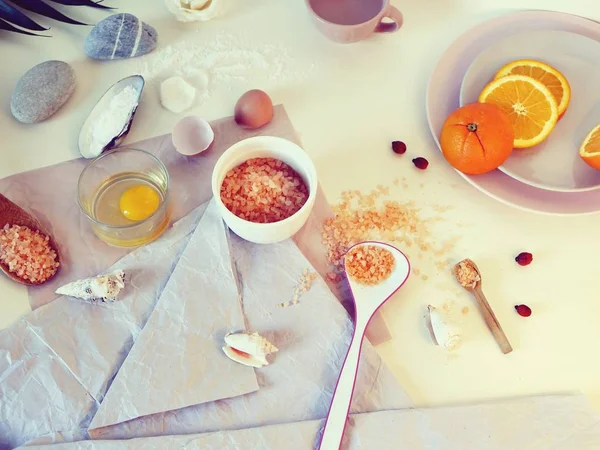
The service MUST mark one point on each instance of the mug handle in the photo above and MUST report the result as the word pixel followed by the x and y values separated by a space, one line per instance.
pixel 389 27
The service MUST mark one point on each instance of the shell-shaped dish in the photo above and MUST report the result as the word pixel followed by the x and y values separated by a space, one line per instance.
pixel 248 349
pixel 443 332
pixel 194 10
pixel 104 288
pixel 88 147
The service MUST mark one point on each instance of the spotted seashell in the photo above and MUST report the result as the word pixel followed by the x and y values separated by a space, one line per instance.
pixel 120 36
pixel 104 288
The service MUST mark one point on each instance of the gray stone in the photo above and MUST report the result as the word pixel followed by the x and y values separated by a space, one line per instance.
pixel 120 36
pixel 42 91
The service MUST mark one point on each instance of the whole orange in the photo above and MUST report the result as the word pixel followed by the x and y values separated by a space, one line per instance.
pixel 477 138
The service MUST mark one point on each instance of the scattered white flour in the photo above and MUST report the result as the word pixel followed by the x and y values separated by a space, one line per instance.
pixel 109 122
pixel 223 62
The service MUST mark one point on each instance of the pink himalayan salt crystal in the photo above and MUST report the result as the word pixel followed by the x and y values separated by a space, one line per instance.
pixel 263 190
pixel 27 253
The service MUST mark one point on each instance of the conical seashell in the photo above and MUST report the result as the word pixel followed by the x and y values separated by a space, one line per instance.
pixel 248 349
pixel 104 288
pixel 443 333
pixel 194 10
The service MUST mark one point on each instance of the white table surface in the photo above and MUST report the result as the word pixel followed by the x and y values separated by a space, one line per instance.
pixel 355 101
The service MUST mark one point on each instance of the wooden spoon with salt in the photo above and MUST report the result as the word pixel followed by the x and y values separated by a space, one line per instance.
pixel 468 276
pixel 12 214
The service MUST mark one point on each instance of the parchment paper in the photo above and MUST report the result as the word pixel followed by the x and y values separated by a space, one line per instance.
pixel 50 194
pixel 312 336
pixel 542 423
pixel 56 362
pixel 198 306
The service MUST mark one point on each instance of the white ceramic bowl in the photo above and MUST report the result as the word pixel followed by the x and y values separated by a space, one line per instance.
pixel 266 147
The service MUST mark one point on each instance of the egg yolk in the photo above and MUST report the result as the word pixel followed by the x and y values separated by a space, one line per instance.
pixel 139 202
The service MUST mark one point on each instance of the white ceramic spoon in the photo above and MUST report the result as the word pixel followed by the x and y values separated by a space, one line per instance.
pixel 367 300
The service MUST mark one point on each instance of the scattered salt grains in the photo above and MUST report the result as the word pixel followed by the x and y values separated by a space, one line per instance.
pixel 369 264
pixel 467 274
pixel 27 253
pixel 304 284
pixel 263 190
pixel 362 217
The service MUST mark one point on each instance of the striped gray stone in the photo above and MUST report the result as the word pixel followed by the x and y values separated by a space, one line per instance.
pixel 120 36
pixel 42 91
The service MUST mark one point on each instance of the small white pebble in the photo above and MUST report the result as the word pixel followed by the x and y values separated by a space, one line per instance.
pixel 176 94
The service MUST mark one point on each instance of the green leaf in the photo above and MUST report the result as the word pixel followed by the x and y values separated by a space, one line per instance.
pixel 8 27
pixel 13 15
pixel 39 7
pixel 81 3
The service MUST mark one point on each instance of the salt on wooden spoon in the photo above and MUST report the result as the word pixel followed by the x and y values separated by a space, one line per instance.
pixel 12 214
pixel 468 276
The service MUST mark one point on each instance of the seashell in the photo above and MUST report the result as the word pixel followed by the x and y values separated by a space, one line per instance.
pixel 108 124
pixel 248 349
pixel 194 10
pixel 104 288
pixel 443 333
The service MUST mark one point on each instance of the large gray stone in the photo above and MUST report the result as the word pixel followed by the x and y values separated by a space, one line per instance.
pixel 42 91
pixel 120 36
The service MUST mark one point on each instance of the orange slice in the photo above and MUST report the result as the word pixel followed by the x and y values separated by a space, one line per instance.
pixel 531 107
pixel 546 74
pixel 590 148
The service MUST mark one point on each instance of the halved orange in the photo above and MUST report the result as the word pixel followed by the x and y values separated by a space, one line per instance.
pixel 530 106
pixel 590 148
pixel 546 74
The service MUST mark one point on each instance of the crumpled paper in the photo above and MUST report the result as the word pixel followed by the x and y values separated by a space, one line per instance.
pixel 177 359
pixel 538 423
pixel 312 336
pixel 56 362
pixel 84 255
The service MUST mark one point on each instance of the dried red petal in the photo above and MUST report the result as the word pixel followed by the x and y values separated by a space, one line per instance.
pixel 399 147
pixel 420 163
pixel 523 310
pixel 524 259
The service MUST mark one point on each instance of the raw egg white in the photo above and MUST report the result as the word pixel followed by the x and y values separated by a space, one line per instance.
pixel 139 202
pixel 192 135
pixel 254 109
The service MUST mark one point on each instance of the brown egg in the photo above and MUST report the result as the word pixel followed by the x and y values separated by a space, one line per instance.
pixel 254 109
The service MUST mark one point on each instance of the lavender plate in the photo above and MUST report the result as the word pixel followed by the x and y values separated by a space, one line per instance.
pixel 555 164
pixel 443 97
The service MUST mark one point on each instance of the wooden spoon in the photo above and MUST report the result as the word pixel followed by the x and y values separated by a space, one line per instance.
pixel 12 214
pixel 488 315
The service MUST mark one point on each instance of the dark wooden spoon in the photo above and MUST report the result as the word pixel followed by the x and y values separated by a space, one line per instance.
pixel 13 214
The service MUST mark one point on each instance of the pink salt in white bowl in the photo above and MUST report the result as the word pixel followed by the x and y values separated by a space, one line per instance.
pixel 266 147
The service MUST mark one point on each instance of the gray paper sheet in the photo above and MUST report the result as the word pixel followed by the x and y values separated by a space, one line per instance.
pixel 177 359
pixel 312 337
pixel 56 362
pixel 539 423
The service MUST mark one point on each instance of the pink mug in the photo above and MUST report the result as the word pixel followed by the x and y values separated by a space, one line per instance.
pixel 348 21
